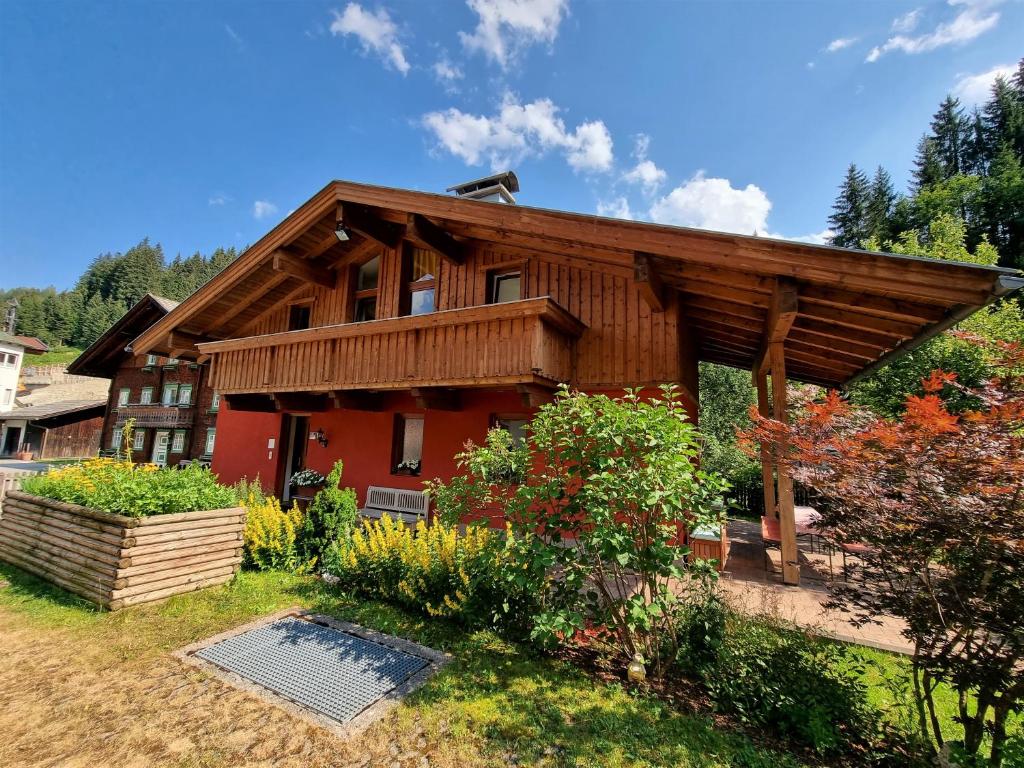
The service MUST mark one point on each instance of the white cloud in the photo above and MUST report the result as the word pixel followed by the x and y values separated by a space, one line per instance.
pixel 975 89
pixel 263 209
pixel 518 131
pixel 810 65
pixel 907 22
pixel 975 18
pixel 446 72
pixel 505 27
pixel 815 238
pixel 714 204
pixel 616 208
pixel 376 32
pixel 235 37
pixel 839 43
pixel 646 174
pixel 218 198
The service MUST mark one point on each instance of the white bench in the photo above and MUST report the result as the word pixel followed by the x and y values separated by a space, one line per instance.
pixel 400 504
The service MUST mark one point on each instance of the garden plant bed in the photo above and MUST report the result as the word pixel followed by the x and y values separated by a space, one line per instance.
pixel 116 561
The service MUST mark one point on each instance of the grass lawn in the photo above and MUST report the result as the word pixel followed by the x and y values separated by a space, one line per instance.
pixel 83 688
pixel 56 356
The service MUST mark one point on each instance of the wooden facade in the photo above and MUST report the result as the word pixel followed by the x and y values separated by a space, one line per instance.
pixel 598 304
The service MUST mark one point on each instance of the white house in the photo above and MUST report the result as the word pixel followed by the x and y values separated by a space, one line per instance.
pixel 12 351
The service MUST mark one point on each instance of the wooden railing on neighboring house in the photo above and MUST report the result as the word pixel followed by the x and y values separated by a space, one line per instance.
pixel 511 343
pixel 156 415
pixel 11 480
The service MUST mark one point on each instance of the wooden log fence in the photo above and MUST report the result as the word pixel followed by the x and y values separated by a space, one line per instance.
pixel 117 561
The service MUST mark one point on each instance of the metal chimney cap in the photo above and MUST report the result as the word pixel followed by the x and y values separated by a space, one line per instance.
pixel 507 179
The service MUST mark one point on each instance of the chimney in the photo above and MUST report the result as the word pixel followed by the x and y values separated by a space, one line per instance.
pixel 493 189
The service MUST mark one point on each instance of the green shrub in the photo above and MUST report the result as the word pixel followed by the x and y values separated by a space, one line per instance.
pixel 123 488
pixel 330 516
pixel 432 568
pixel 805 689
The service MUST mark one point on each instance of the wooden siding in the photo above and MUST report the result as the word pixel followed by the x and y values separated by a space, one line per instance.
pixel 625 343
pixel 520 342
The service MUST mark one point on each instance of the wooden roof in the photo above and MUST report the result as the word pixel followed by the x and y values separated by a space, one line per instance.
pixel 855 309
pixel 103 357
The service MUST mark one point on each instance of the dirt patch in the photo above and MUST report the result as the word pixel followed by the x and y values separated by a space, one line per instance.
pixel 62 704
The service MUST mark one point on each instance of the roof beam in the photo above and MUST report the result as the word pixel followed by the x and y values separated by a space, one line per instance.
pixel 648 281
pixel 426 234
pixel 250 297
pixel 361 220
pixel 535 395
pixel 354 400
pixel 437 399
pixel 184 345
pixel 782 313
pixel 296 267
pixel 312 402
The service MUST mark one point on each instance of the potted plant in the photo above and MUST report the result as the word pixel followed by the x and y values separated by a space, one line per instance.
pixel 306 482
pixel 409 467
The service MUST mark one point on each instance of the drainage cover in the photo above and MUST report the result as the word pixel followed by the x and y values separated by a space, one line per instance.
pixel 320 668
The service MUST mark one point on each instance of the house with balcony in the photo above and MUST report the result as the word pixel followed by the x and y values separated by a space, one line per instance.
pixel 386 327
pixel 170 401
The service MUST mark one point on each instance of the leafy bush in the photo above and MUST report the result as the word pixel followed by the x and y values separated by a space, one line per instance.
pixel 123 488
pixel 806 689
pixel 270 532
pixel 431 568
pixel 330 516
pixel 618 478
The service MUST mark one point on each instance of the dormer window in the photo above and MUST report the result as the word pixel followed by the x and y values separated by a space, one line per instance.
pixel 366 279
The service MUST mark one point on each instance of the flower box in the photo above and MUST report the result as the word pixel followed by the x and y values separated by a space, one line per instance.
pixel 117 561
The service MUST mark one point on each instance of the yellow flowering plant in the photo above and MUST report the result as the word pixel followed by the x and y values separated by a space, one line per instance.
pixel 270 531
pixel 432 568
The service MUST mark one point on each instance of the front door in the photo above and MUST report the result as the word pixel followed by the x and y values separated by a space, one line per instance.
pixel 160 443
pixel 294 455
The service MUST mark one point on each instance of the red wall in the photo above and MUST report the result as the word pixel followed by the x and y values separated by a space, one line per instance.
pixel 362 439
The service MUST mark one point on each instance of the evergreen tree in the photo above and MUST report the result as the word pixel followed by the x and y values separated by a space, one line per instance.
pixel 136 273
pixel 848 221
pixel 1002 203
pixel 881 203
pixel 1003 119
pixel 928 167
pixel 975 156
pixel 949 136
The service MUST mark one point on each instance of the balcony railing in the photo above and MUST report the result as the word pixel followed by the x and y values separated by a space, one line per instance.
pixel 518 342
pixel 156 415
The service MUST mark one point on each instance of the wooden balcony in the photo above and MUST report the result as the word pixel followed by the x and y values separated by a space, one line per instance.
pixel 157 415
pixel 522 342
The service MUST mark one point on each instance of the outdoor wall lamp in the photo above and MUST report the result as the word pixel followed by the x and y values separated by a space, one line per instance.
pixel 342 233
pixel 321 437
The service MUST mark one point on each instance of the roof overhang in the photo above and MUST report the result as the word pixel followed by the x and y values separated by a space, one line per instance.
pixel 103 357
pixel 855 310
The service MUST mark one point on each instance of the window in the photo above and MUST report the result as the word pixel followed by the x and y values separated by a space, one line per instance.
pixel 178 443
pixel 407 447
pixel 147 396
pixel 150 361
pixel 185 394
pixel 298 317
pixel 211 436
pixel 8 394
pixel 505 286
pixel 123 396
pixel 215 402
pixel 140 440
pixel 420 268
pixel 366 277
pixel 170 394
pixel 8 360
pixel 115 438
pixel 514 425
pixel 172 362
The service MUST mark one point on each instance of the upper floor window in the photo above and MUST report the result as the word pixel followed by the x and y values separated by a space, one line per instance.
pixel 8 360
pixel 299 317
pixel 123 396
pixel 172 362
pixel 505 286
pixel 366 281
pixel 185 394
pixel 150 361
pixel 147 396
pixel 420 270
pixel 170 394
pixel 215 402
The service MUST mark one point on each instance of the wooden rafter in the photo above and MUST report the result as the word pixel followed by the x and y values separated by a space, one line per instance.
pixel 271 309
pixel 782 314
pixel 301 402
pixel 303 270
pixel 646 278
pixel 355 400
pixel 426 234
pixel 370 225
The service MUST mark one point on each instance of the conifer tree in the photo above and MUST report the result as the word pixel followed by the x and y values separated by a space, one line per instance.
pixel 928 168
pixel 848 221
pixel 949 135
pixel 881 202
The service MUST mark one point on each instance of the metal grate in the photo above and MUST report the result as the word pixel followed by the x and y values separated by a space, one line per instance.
pixel 323 669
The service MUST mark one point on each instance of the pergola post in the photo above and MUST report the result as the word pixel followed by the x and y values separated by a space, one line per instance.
pixel 787 519
pixel 767 465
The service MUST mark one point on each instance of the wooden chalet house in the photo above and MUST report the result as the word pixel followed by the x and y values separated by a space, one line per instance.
pixel 386 327
pixel 171 401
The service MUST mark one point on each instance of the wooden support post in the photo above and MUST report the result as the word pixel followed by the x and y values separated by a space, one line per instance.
pixel 648 281
pixel 787 519
pixel 426 234
pixel 767 465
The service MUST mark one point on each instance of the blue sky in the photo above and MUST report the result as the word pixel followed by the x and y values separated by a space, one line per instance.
pixel 200 124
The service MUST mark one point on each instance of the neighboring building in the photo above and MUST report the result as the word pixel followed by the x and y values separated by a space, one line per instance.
pixel 67 429
pixel 174 409
pixel 12 352
pixel 386 327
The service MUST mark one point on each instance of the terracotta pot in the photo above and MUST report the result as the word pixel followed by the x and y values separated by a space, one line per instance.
pixel 23 455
